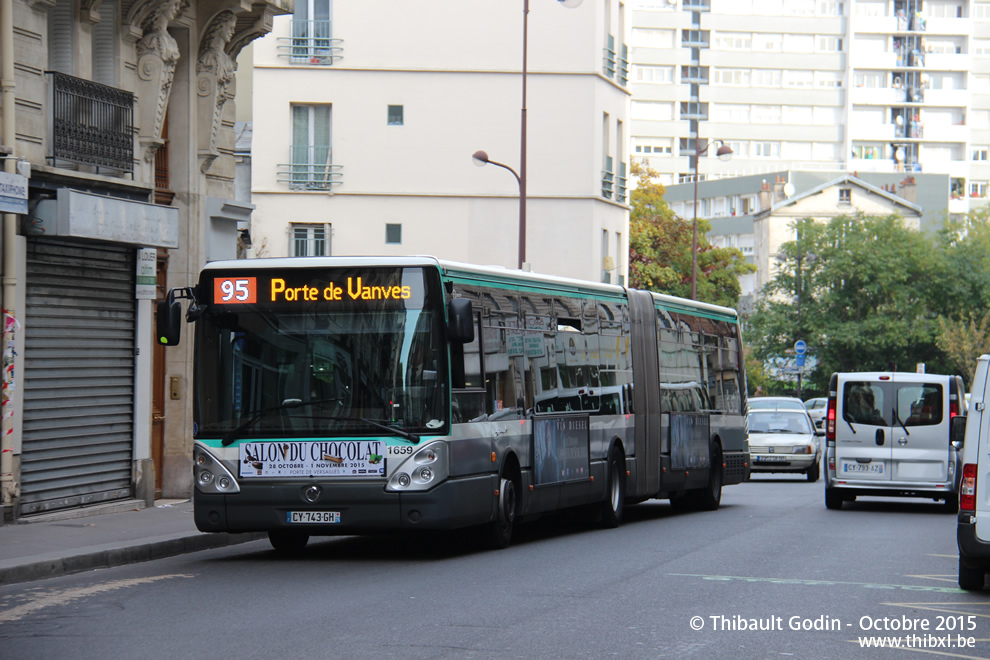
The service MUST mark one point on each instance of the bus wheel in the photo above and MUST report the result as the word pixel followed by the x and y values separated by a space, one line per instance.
pixel 709 498
pixel 615 491
pixel 971 579
pixel 500 530
pixel 287 542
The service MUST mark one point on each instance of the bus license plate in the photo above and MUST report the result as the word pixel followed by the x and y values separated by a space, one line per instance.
pixel 876 468
pixel 325 517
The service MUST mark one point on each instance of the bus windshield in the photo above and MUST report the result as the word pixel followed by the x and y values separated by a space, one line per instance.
pixel 321 353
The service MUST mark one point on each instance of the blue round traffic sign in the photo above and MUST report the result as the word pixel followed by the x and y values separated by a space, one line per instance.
pixel 800 347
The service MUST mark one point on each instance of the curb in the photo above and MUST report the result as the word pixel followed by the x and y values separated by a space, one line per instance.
pixel 57 564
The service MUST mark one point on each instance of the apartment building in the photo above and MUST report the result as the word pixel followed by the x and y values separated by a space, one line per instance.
pixel 116 141
pixel 366 115
pixel 831 85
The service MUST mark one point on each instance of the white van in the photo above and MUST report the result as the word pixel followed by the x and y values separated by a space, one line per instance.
pixel 887 434
pixel 973 527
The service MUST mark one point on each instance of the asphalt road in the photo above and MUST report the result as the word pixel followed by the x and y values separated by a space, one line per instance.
pixel 663 585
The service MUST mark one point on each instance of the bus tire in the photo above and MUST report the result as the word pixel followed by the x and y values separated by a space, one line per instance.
pixel 615 491
pixel 833 499
pixel 709 498
pixel 971 579
pixel 499 531
pixel 287 542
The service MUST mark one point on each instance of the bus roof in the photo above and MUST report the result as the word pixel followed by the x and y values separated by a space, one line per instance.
pixel 456 268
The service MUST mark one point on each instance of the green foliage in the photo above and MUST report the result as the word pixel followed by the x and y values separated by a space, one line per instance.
pixel 866 298
pixel 660 249
pixel 964 340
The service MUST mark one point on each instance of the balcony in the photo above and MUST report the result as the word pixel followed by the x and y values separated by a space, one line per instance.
pixel 311 168
pixel 310 44
pixel 90 123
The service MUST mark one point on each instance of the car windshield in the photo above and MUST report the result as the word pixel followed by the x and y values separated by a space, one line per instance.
pixel 772 403
pixel 778 421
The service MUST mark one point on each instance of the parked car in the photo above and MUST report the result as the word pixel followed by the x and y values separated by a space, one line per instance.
pixel 783 439
pixel 973 522
pixel 817 408
pixel 888 434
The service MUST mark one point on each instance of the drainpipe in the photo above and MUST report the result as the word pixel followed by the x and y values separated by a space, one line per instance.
pixel 8 486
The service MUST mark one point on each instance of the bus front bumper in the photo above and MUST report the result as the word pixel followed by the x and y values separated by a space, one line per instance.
pixel 360 507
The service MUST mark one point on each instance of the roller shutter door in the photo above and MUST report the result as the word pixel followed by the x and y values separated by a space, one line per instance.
pixel 79 374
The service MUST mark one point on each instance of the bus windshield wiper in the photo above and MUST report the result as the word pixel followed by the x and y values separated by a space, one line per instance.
pixel 402 433
pixel 299 403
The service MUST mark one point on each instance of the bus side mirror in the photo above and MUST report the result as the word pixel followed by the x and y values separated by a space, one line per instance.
pixel 168 322
pixel 957 431
pixel 460 321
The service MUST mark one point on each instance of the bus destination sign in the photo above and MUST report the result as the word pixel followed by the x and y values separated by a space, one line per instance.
pixel 391 286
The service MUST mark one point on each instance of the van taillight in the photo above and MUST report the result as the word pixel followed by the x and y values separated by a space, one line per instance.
pixel 967 488
pixel 830 421
pixel 953 409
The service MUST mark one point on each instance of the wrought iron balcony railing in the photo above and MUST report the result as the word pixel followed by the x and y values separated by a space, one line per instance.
pixel 311 43
pixel 311 168
pixel 90 123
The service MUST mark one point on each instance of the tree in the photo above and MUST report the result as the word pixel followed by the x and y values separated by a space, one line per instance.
pixel 963 341
pixel 660 248
pixel 867 298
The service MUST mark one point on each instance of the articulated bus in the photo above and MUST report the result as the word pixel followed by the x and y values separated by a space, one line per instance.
pixel 355 395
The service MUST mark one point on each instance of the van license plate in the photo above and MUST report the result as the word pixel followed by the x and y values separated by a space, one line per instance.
pixel 851 467
pixel 325 517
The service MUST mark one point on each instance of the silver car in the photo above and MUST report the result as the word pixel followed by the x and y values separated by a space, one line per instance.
pixel 784 440
pixel 817 408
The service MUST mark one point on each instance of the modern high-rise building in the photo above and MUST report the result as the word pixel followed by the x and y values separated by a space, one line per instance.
pixel 367 113
pixel 882 86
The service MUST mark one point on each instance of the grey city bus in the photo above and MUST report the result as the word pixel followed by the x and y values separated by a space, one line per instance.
pixel 351 395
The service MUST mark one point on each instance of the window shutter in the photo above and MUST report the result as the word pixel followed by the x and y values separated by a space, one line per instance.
pixel 60 37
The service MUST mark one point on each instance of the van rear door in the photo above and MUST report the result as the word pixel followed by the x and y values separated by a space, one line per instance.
pixel 921 429
pixel 975 449
pixel 863 428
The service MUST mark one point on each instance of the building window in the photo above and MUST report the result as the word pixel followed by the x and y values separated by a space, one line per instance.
pixel 652 146
pixel 979 153
pixel 312 40
pixel 395 115
pixel 766 149
pixel 310 240
pixel 393 234
pixel 978 189
pixel 981 10
pixel 829 44
pixel 845 195
pixel 311 167
pixel 653 74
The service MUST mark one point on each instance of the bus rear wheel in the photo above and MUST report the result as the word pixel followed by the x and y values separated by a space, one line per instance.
pixel 287 542
pixel 615 491
pixel 499 531
pixel 708 499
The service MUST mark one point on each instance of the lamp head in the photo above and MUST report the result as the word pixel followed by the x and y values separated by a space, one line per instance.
pixel 480 158
pixel 724 152
pixel 570 4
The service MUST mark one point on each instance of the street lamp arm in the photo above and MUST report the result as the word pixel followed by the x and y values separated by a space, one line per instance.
pixel 481 159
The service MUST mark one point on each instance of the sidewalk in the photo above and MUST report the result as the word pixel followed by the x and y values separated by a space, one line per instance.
pixel 103 536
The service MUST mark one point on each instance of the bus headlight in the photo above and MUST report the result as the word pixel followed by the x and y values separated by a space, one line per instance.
pixel 210 474
pixel 426 467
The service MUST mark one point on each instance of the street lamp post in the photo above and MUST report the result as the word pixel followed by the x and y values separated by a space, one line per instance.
pixel 521 176
pixel 724 153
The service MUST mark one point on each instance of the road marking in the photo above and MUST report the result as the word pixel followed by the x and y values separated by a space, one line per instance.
pixel 942 607
pixel 941 578
pixel 865 585
pixel 51 599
